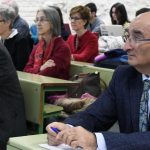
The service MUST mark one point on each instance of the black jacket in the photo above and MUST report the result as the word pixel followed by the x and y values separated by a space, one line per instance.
pixel 19 48
pixel 12 114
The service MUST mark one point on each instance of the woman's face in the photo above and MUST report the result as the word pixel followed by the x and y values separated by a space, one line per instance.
pixel 43 24
pixel 77 23
pixel 114 15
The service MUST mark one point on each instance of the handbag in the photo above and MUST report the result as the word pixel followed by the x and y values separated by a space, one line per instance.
pixel 88 83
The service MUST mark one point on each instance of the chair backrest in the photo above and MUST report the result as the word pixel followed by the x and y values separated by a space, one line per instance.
pixel 34 33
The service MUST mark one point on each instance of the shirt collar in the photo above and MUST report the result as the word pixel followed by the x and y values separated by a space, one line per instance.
pixel 13 33
pixel 145 77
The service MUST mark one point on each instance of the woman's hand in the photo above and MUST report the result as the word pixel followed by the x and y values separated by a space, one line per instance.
pixel 49 63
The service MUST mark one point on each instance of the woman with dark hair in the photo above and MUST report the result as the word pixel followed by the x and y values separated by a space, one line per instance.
pixel 64 32
pixel 84 44
pixel 119 15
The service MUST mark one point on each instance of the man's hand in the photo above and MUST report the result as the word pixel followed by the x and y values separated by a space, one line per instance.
pixel 51 135
pixel 78 137
pixel 49 63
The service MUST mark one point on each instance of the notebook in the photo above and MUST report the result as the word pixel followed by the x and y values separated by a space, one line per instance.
pixel 60 147
pixel 112 30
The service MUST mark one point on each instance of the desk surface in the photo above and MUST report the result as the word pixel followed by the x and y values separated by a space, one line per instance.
pixel 81 63
pixel 28 142
pixel 42 80
pixel 90 65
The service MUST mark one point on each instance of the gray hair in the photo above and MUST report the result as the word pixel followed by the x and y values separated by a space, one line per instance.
pixel 7 13
pixel 54 19
pixel 13 4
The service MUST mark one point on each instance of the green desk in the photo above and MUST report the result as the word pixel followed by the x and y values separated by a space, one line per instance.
pixel 34 88
pixel 27 142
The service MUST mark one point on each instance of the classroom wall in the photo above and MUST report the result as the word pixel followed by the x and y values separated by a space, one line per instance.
pixel 28 7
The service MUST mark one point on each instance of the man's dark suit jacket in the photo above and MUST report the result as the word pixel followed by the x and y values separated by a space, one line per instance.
pixel 12 114
pixel 120 102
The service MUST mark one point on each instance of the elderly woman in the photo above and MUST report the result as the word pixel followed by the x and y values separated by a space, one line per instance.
pixel 51 57
pixel 84 44
pixel 17 45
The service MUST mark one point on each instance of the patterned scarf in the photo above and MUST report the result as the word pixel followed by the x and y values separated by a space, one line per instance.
pixel 41 55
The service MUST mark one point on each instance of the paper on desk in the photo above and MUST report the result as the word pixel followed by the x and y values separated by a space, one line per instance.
pixel 60 147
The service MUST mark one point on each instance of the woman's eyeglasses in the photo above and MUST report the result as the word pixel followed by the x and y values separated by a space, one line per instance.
pixel 74 18
pixel 41 19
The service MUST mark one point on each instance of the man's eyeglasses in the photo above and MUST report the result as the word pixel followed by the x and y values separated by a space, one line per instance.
pixel 147 39
pixel 74 18
pixel 42 20
pixel 134 39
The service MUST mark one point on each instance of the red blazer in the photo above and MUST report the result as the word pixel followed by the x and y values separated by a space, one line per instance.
pixel 61 56
pixel 87 47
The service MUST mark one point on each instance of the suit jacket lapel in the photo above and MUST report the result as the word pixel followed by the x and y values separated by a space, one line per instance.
pixel 136 88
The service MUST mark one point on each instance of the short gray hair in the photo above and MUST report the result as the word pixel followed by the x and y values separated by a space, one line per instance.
pixel 53 17
pixel 13 4
pixel 7 13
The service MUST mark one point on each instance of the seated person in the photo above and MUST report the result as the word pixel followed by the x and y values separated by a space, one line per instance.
pixel 19 23
pixel 84 44
pixel 18 46
pixel 51 56
pixel 95 22
pixel 64 32
pixel 119 16
pixel 12 113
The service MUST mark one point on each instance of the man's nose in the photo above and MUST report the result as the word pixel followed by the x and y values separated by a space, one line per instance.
pixel 127 46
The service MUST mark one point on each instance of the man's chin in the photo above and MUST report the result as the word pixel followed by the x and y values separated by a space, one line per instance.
pixel 132 63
